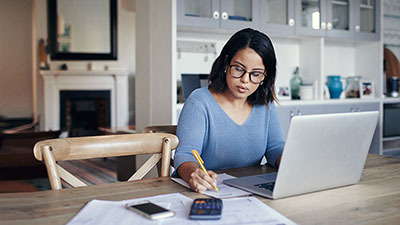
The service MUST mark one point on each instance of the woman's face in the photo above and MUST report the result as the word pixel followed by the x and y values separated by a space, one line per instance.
pixel 245 60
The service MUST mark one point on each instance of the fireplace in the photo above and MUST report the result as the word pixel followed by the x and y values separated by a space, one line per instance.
pixel 83 112
pixel 99 96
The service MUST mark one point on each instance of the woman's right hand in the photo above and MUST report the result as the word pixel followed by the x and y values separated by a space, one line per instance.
pixel 196 178
pixel 200 181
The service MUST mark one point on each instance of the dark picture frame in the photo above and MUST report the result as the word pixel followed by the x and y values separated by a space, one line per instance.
pixel 52 35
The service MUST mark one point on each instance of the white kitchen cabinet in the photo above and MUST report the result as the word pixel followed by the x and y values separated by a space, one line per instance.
pixel 287 112
pixel 368 19
pixel 217 14
pixel 277 16
pixel 351 19
pixel 330 53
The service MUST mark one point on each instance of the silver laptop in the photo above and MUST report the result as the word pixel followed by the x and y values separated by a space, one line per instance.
pixel 321 152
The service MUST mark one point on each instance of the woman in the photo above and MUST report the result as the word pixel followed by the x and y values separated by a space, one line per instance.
pixel 233 122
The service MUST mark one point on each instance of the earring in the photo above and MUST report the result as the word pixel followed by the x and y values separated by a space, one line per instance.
pixel 225 71
pixel 261 83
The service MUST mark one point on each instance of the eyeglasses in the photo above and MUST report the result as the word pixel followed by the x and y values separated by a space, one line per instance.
pixel 255 76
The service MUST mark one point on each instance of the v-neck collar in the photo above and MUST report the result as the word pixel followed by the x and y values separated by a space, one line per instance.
pixel 226 114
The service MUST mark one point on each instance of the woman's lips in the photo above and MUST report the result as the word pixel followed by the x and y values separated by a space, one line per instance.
pixel 242 89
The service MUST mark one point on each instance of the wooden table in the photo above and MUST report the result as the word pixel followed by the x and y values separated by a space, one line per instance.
pixel 375 200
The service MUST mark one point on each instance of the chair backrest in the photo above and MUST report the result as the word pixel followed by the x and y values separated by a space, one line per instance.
pixel 51 151
pixel 171 129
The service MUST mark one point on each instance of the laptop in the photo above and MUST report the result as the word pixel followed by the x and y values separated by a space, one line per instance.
pixel 321 152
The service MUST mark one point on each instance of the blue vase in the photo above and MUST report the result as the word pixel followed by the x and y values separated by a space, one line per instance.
pixel 335 86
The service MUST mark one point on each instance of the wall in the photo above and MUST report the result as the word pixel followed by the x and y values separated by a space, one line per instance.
pixel 156 33
pixel 126 49
pixel 287 53
pixel 16 58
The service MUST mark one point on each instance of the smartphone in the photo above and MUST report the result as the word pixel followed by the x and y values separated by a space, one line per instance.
pixel 150 210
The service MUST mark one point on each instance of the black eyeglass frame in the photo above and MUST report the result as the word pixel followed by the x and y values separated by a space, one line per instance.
pixel 245 71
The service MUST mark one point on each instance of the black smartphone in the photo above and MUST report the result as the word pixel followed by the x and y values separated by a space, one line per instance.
pixel 150 210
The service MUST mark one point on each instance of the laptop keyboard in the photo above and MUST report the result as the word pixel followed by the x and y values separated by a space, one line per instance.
pixel 269 185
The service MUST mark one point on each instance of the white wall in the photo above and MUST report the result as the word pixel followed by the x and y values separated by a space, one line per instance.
pixel 286 50
pixel 16 58
pixel 126 49
pixel 156 83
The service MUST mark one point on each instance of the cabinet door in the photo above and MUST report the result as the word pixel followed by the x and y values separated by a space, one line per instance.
pixel 286 113
pixel 352 107
pixel 367 15
pixel 239 14
pixel 310 17
pixel 340 108
pixel 195 13
pixel 340 22
pixel 277 16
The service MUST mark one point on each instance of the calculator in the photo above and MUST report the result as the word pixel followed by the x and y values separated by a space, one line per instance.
pixel 206 209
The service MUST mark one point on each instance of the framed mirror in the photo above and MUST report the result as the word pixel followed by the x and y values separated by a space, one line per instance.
pixel 82 29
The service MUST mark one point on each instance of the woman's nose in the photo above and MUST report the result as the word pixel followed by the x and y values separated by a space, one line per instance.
pixel 245 78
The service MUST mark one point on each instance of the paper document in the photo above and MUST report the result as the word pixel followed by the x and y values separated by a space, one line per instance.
pixel 225 191
pixel 245 210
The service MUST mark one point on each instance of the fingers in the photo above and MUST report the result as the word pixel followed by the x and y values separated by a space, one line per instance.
pixel 213 175
pixel 200 181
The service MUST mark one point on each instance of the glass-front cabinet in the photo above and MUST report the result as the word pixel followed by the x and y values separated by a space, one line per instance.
pixel 218 14
pixel 350 19
pixel 277 16
pixel 339 22
pixel 368 14
pixel 204 13
pixel 357 19
pixel 310 15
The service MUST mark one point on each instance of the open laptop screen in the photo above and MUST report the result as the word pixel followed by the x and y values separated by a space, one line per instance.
pixel 190 82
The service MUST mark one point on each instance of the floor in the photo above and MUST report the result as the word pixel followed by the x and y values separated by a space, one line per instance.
pixel 91 171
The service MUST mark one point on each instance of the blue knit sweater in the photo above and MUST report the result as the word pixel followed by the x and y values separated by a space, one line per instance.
pixel 222 143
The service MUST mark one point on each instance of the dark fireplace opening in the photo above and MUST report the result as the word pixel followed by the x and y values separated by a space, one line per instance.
pixel 83 112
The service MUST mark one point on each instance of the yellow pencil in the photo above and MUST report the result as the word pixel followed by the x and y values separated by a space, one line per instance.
pixel 200 161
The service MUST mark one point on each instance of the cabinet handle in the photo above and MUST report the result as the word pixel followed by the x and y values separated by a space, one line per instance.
pixel 298 112
pixel 216 15
pixel 357 28
pixel 323 25
pixel 291 22
pixel 224 15
pixel 329 26
pixel 291 113
pixel 358 109
pixel 351 109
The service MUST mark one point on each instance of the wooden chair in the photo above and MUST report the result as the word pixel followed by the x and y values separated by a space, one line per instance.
pixel 51 151
pixel 171 129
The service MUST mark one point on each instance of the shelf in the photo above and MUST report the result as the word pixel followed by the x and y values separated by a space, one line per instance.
pixel 397 138
pixel 362 6
pixel 391 100
pixel 340 3
pixel 392 45
pixel 391 16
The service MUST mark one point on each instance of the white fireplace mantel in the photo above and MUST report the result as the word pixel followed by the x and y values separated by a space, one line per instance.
pixel 114 81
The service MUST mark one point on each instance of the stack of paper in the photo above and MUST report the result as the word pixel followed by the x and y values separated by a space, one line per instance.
pixel 245 210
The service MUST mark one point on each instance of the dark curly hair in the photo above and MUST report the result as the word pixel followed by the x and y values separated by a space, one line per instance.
pixel 262 45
